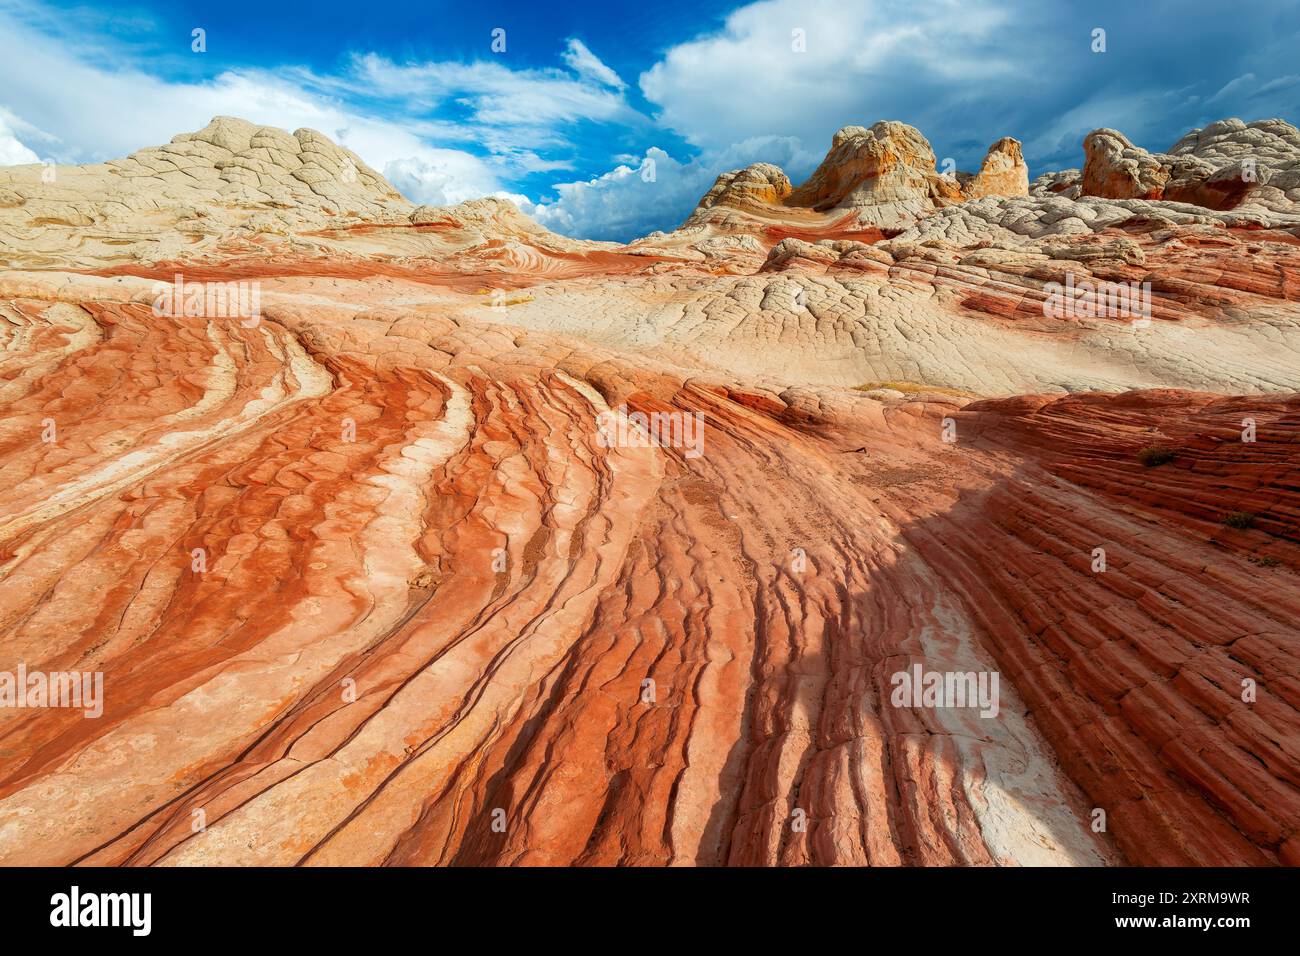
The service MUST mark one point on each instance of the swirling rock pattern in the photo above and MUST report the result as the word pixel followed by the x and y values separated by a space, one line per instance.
pixel 368 583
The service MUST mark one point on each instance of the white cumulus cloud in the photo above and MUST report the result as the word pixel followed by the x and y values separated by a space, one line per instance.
pixel 655 192
pixel 441 177
pixel 805 68
pixel 12 152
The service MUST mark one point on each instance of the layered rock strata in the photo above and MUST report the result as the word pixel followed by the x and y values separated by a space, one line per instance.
pixel 476 545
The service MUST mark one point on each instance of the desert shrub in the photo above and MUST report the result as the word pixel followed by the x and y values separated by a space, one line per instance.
pixel 1241 520
pixel 1154 455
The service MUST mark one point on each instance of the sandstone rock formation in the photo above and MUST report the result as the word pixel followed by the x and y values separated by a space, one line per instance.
pixel 884 175
pixel 400 569
pixel 888 169
pixel 229 175
pixel 1003 172
pixel 1219 167
pixel 758 185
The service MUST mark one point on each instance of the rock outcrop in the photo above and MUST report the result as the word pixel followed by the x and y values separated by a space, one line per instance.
pixel 884 173
pixel 229 167
pixel 230 185
pixel 1219 167
pixel 884 176
pixel 1003 172
pixel 1063 182
pixel 758 185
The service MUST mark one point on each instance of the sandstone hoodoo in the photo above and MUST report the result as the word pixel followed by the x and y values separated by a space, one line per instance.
pixel 857 521
pixel 1003 172
pixel 882 176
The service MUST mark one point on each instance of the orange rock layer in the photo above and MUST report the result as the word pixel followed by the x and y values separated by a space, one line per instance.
pixel 367 588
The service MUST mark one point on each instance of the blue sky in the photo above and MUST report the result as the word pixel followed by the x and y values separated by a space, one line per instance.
pixel 565 118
